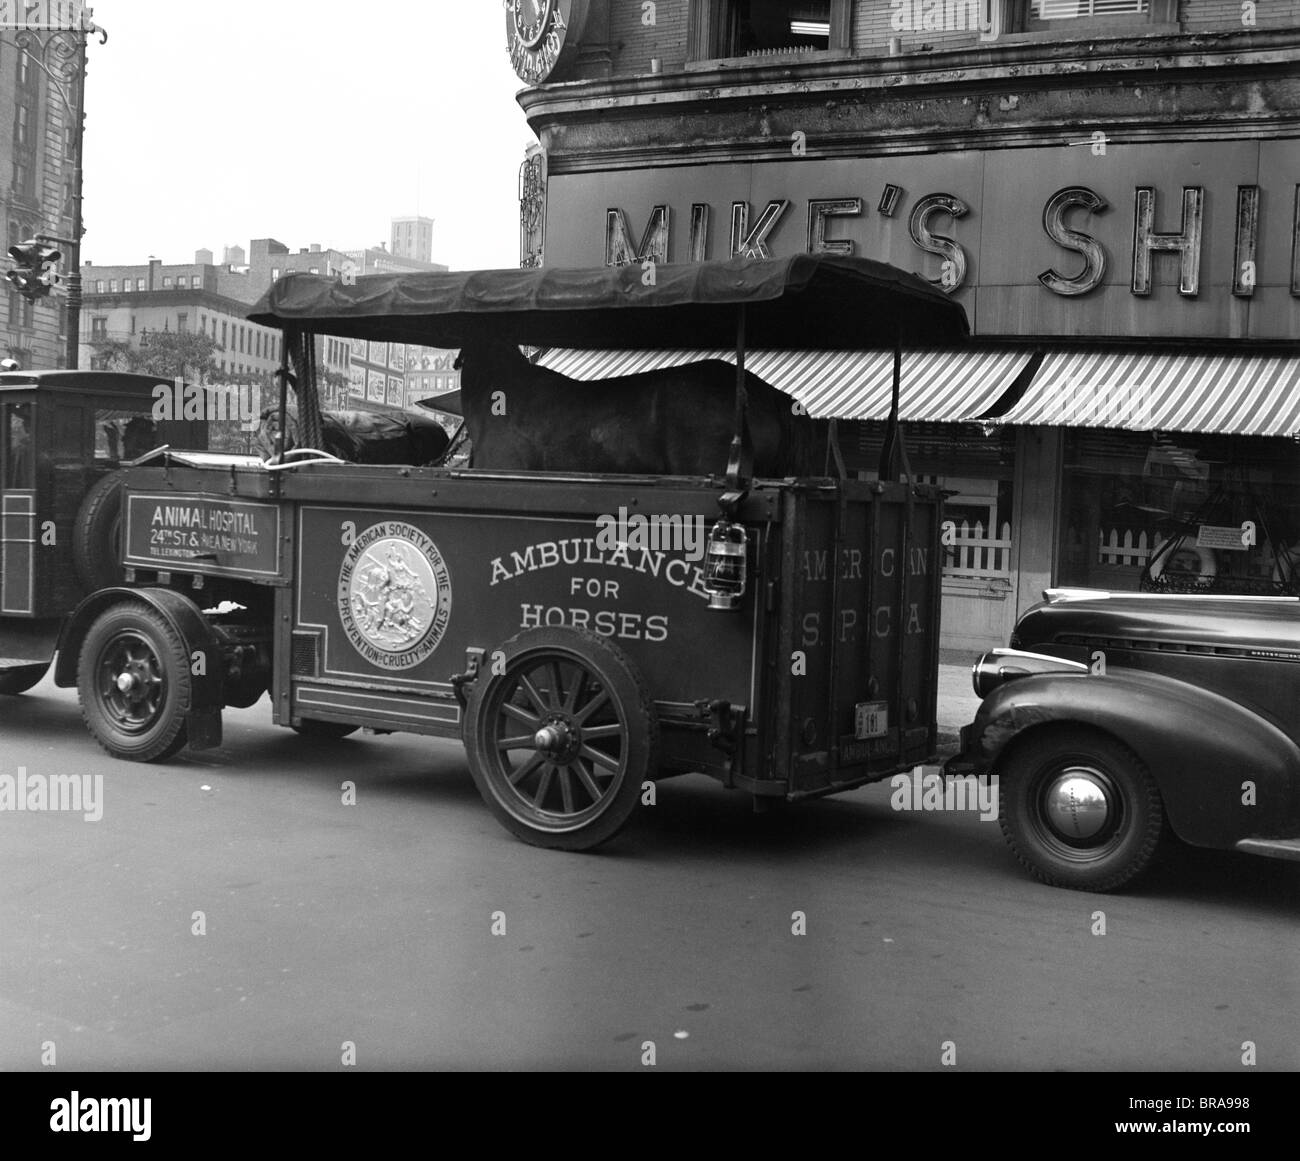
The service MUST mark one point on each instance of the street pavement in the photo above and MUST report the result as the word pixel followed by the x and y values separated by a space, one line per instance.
pixel 957 703
pixel 279 903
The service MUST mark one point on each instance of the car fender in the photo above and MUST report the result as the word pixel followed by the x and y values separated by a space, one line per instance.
pixel 203 714
pixel 1224 772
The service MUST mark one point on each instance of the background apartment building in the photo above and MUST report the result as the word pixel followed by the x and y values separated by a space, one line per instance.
pixel 38 156
pixel 128 303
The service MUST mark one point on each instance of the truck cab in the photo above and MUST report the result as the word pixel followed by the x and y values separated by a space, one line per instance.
pixel 63 437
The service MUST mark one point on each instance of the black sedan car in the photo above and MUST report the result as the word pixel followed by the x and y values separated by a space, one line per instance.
pixel 1114 718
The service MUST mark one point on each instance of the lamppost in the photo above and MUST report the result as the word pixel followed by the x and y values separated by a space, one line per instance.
pixel 61 55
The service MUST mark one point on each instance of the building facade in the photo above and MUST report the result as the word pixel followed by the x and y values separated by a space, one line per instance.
pixel 1111 188
pixel 430 372
pixel 413 238
pixel 126 303
pixel 39 148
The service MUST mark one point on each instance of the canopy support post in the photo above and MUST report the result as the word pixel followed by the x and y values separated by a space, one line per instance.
pixel 305 388
pixel 741 461
pixel 284 374
pixel 894 451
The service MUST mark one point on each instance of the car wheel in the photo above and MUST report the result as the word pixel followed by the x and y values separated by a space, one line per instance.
pixel 21 678
pixel 133 681
pixel 97 535
pixel 1079 809
pixel 561 733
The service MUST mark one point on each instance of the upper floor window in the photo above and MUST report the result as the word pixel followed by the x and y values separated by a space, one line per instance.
pixel 1043 13
pixel 21 311
pixel 1067 16
pixel 760 28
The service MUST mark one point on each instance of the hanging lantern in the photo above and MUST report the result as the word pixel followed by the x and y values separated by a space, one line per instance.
pixel 726 564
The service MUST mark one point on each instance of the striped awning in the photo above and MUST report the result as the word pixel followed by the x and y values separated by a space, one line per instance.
pixel 610 364
pixel 1246 394
pixel 937 385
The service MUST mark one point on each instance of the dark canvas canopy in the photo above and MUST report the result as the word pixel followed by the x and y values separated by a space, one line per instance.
pixel 807 301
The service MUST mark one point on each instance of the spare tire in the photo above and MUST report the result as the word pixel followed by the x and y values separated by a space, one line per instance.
pixel 97 535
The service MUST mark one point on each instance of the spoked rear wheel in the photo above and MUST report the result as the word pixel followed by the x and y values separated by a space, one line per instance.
pixel 561 737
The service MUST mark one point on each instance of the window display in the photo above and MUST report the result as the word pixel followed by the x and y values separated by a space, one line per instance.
pixel 1180 513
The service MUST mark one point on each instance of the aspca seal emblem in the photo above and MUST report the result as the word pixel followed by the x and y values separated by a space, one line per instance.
pixel 394 595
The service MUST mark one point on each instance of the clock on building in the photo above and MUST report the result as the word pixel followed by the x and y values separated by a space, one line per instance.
pixel 540 33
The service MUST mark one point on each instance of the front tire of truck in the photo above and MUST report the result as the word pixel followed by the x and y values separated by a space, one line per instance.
pixel 561 733
pixel 134 685
pixel 1079 809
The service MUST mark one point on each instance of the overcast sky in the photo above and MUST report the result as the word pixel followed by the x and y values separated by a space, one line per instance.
pixel 302 120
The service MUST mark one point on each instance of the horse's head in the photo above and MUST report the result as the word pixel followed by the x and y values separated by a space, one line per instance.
pixel 482 362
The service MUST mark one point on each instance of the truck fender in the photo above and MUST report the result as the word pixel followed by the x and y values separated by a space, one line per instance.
pixel 1201 748
pixel 186 618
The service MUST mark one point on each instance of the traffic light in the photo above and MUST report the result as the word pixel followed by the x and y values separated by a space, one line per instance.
pixel 34 273
pixel 48 275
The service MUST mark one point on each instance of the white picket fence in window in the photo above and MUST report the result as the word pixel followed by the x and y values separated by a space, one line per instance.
pixel 1126 547
pixel 978 555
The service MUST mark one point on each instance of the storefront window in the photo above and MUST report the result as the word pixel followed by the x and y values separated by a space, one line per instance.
pixel 975 470
pixel 1226 506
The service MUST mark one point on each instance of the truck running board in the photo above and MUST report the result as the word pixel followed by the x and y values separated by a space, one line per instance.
pixel 1271 848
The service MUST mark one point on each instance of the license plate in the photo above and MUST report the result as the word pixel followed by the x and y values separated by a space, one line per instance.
pixel 871 719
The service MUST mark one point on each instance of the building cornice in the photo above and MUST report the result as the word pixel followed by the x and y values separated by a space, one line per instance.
pixel 1007 95
pixel 170 299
